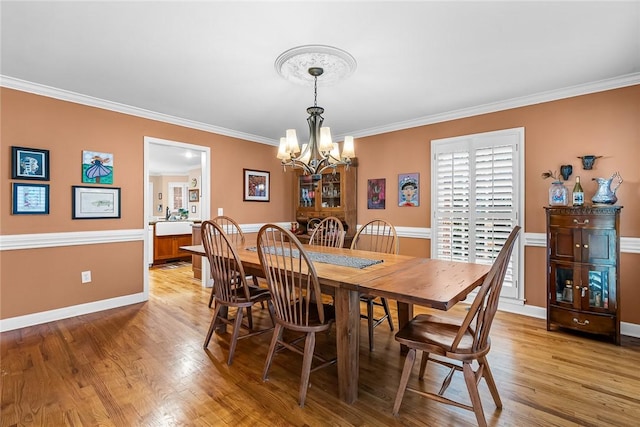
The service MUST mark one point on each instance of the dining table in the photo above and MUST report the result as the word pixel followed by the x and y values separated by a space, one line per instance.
pixel 409 280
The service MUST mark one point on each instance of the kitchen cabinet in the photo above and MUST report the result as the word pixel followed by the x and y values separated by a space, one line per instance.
pixel 583 269
pixel 332 193
pixel 166 248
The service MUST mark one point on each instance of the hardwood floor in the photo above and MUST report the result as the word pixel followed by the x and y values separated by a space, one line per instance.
pixel 143 365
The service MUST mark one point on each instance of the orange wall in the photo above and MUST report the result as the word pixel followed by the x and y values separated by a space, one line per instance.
pixel 556 133
pixel 605 123
pixel 37 280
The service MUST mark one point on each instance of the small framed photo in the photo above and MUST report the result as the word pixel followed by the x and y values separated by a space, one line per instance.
pixel 376 190
pixel 194 195
pixel 29 163
pixel 408 189
pixel 256 186
pixel 30 199
pixel 95 202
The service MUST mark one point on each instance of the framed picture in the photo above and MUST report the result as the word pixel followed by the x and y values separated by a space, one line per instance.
pixel 194 195
pixel 256 186
pixel 97 168
pixel 408 190
pixel 29 163
pixel 30 199
pixel 376 193
pixel 95 202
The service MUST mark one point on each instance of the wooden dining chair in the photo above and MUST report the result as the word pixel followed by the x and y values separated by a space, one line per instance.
pixel 297 302
pixel 377 235
pixel 236 236
pixel 231 288
pixel 329 232
pixel 457 345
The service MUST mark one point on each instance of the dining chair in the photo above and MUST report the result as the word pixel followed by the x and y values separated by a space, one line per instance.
pixel 329 232
pixel 458 345
pixel 377 235
pixel 296 298
pixel 236 236
pixel 231 287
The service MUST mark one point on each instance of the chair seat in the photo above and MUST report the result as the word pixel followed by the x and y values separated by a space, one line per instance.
pixel 314 320
pixel 434 335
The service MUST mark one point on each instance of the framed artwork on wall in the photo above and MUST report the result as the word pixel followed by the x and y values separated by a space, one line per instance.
pixel 97 168
pixel 376 193
pixel 194 195
pixel 30 199
pixel 408 189
pixel 95 202
pixel 256 186
pixel 29 163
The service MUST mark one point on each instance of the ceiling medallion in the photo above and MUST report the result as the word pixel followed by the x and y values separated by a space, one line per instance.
pixel 294 64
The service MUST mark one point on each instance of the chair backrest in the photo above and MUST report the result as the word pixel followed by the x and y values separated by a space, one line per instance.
pixel 291 276
pixel 329 232
pixel 229 280
pixel 231 228
pixel 480 316
pixel 377 235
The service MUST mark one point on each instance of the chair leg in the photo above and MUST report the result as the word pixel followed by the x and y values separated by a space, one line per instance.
pixel 277 335
pixel 234 337
pixel 404 379
pixel 385 305
pixel 211 296
pixel 309 346
pixel 249 318
pixel 488 377
pixel 423 364
pixel 472 387
pixel 370 322
pixel 213 325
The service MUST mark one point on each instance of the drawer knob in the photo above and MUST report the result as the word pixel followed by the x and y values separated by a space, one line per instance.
pixel 586 322
pixel 575 221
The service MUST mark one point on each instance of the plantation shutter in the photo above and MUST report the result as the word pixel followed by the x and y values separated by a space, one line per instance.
pixel 476 198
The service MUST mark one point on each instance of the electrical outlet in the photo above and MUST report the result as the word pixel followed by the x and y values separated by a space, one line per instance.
pixel 220 212
pixel 86 276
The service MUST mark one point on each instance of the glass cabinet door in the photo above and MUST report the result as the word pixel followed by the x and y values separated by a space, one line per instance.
pixel 598 291
pixel 563 286
pixel 307 196
pixel 331 190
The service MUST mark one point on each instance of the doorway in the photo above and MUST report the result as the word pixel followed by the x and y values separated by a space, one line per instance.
pixel 173 158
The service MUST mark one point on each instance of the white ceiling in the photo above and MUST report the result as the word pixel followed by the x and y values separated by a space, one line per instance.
pixel 210 64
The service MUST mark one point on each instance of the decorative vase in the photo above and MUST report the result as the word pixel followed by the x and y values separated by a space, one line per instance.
pixel 605 194
pixel 558 194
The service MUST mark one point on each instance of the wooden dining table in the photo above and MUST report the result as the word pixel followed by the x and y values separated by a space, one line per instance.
pixel 406 279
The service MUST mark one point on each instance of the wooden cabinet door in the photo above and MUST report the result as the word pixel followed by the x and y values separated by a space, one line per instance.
pixel 598 246
pixel 562 242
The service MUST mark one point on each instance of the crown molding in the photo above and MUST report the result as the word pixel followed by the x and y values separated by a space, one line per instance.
pixel 539 98
pixel 553 95
pixel 65 95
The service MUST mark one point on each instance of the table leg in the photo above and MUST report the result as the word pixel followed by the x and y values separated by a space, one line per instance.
pixel 347 304
pixel 405 313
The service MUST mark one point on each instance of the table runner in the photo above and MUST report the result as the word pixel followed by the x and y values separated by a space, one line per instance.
pixel 342 260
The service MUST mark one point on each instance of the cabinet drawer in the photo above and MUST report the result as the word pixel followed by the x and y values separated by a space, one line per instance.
pixel 581 321
pixel 582 221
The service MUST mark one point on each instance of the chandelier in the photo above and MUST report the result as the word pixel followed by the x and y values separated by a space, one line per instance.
pixel 320 153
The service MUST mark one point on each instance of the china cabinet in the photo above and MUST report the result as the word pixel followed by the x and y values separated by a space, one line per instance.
pixel 583 269
pixel 327 194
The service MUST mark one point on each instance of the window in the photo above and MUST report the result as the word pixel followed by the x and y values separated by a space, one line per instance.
pixel 477 199
pixel 178 196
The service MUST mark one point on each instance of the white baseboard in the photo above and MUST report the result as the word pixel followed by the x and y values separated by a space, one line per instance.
pixel 66 312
